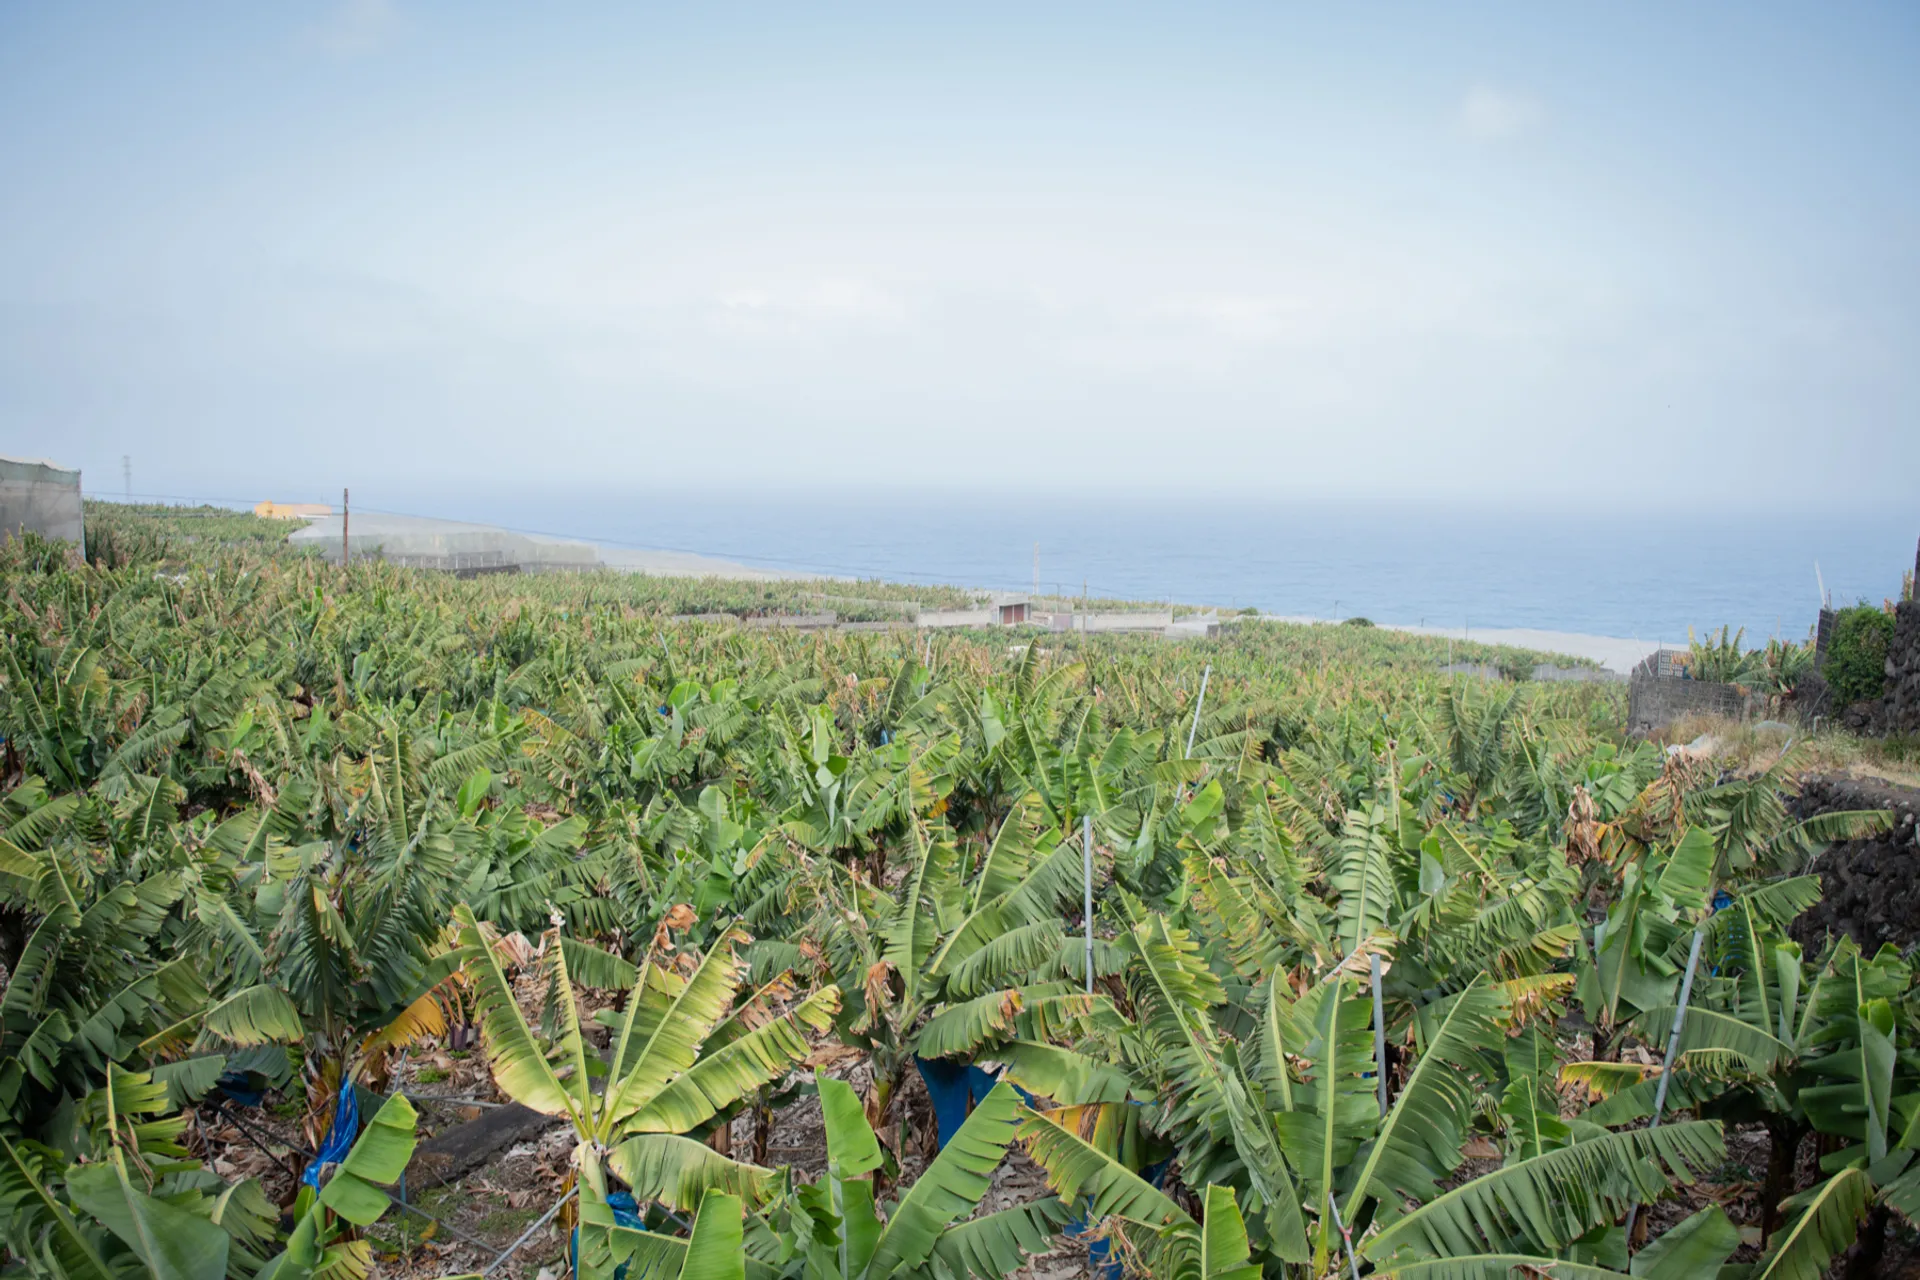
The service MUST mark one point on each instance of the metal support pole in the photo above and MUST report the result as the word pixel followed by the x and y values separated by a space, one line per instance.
pixel 1673 1048
pixel 1199 703
pixel 345 513
pixel 1333 1207
pixel 1086 850
pixel 1379 1032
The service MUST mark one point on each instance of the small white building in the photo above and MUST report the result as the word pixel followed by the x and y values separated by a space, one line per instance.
pixel 1011 610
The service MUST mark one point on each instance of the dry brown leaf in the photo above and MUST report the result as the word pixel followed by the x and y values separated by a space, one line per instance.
pixel 833 1054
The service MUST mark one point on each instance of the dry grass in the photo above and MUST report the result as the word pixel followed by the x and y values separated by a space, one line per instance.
pixel 1750 745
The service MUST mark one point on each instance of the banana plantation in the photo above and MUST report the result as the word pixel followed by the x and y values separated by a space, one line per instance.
pixel 1279 954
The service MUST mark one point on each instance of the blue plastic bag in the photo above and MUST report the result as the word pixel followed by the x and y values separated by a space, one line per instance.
pixel 626 1213
pixel 340 1134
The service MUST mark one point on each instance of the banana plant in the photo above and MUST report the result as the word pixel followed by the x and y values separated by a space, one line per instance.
pixel 845 1235
pixel 110 969
pixel 135 1205
pixel 322 1241
pixel 1749 1022
pixel 681 1052
pixel 959 958
pixel 716 1248
pixel 1286 1115
pixel 1752 827
pixel 1659 895
pixel 835 1227
pixel 1800 1047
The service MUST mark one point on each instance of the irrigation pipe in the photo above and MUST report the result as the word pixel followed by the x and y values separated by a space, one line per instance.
pixel 247 1132
pixel 1673 1047
pixel 529 1233
pixel 442 1223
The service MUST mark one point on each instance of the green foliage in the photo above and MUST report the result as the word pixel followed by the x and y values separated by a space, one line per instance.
pixel 1783 664
pixel 1720 658
pixel 1857 654
pixel 262 811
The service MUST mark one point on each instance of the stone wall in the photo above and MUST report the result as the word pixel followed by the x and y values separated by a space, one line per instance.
pixel 1900 701
pixel 1871 888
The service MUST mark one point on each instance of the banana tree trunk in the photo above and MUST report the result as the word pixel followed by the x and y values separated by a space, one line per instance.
pixel 1783 1155
pixel 762 1133
pixel 886 1083
pixel 1863 1261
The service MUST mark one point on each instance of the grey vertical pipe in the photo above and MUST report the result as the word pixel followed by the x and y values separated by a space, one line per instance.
pixel 1198 704
pixel 1379 1032
pixel 1673 1048
pixel 1333 1207
pixel 1086 850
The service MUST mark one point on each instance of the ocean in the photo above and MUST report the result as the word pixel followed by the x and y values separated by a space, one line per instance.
pixel 1646 576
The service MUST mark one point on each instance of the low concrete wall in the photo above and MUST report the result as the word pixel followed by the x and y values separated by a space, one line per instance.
pixel 1655 701
pixel 1870 888
pixel 797 621
pixel 956 618
pixel 1197 627
pixel 1107 623
pixel 40 497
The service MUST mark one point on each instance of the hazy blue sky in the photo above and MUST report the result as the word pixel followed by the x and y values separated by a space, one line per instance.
pixel 1468 251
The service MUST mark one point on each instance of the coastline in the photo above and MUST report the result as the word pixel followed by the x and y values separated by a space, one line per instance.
pixel 1614 653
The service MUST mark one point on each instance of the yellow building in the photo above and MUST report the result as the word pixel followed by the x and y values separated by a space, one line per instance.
pixel 291 510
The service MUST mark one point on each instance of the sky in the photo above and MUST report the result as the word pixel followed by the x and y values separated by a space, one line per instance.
pixel 1612 256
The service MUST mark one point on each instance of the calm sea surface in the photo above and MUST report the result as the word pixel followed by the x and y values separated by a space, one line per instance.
pixel 1643 576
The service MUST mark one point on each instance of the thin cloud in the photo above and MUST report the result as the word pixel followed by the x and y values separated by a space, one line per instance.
pixel 1488 114
pixel 358 27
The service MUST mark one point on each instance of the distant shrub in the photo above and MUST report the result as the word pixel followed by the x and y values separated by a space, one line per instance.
pixel 1357 622
pixel 1856 666
pixel 1517 667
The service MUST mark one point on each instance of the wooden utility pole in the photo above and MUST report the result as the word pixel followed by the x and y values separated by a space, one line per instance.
pixel 1036 572
pixel 345 511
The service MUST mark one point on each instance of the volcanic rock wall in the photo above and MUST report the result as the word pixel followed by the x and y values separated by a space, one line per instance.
pixel 1900 701
pixel 1871 887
